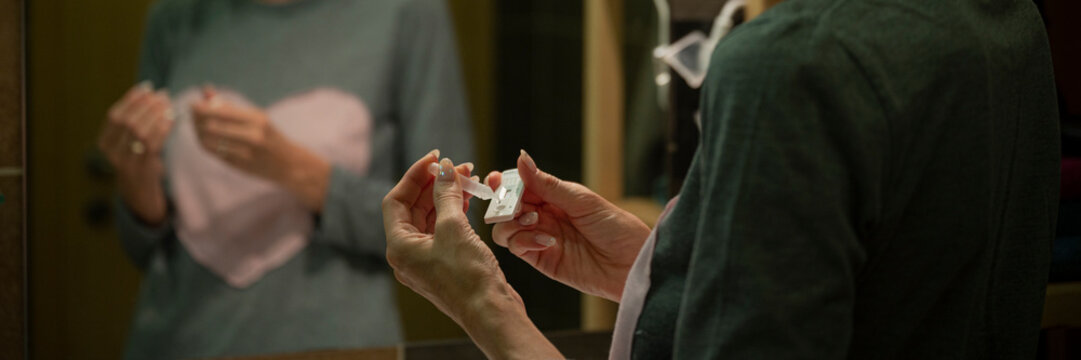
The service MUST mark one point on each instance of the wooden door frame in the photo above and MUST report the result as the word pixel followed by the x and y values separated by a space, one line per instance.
pixel 603 120
pixel 13 325
pixel 602 123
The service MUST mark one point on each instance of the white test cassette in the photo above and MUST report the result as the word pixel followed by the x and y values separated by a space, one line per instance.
pixel 506 201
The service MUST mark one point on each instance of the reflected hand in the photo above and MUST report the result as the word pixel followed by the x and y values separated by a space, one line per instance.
pixel 246 139
pixel 570 233
pixel 132 138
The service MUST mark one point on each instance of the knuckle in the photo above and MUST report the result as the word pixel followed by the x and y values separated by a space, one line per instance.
pixel 501 233
pixel 127 121
pixel 447 225
pixel 401 258
pixel 255 139
pixel 582 193
pixel 551 182
pixel 140 133
pixel 388 203
pixel 407 280
pixel 516 248
pixel 502 241
pixel 447 196
pixel 394 257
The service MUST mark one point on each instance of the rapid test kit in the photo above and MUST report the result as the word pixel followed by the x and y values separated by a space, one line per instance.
pixel 505 200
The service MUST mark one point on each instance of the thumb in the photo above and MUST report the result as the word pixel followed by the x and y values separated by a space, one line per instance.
pixel 447 193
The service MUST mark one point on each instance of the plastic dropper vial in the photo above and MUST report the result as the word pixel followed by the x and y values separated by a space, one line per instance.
pixel 475 188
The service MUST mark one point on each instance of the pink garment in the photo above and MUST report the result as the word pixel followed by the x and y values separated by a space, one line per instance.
pixel 634 293
pixel 241 226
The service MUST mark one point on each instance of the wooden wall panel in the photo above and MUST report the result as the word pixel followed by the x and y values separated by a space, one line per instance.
pixel 82 57
pixel 602 124
pixel 12 205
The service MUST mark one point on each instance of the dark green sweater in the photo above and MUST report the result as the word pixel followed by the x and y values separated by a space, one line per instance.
pixel 876 179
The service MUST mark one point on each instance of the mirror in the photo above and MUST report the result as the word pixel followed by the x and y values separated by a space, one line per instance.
pixel 104 287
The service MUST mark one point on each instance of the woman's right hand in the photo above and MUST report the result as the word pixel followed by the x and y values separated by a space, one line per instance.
pixel 133 136
pixel 570 233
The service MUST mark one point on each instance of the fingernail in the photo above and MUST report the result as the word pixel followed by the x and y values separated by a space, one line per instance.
pixel 446 170
pixel 469 166
pixel 434 169
pixel 475 178
pixel 529 218
pixel 434 152
pixel 145 85
pixel 544 240
pixel 529 161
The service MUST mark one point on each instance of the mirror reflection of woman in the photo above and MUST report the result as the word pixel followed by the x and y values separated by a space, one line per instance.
pixel 252 160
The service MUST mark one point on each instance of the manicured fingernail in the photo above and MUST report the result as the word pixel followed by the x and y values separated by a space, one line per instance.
pixel 529 218
pixel 434 169
pixel 475 178
pixel 446 170
pixel 544 240
pixel 145 85
pixel 434 152
pixel 468 165
pixel 529 161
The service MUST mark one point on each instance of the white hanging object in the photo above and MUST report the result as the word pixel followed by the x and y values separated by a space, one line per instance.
pixel 689 56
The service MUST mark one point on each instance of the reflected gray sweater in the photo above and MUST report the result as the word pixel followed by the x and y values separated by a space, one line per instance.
pixel 398 56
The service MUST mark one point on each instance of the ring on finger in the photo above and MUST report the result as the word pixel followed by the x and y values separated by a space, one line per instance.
pixel 137 147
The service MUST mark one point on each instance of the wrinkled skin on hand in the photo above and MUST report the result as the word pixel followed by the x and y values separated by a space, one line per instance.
pixel 431 246
pixel 570 233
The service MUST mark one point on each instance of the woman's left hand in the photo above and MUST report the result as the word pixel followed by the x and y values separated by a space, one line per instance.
pixel 245 138
pixel 435 252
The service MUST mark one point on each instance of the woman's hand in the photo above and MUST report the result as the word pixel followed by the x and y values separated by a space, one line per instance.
pixel 570 233
pixel 434 251
pixel 430 243
pixel 134 134
pixel 245 138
